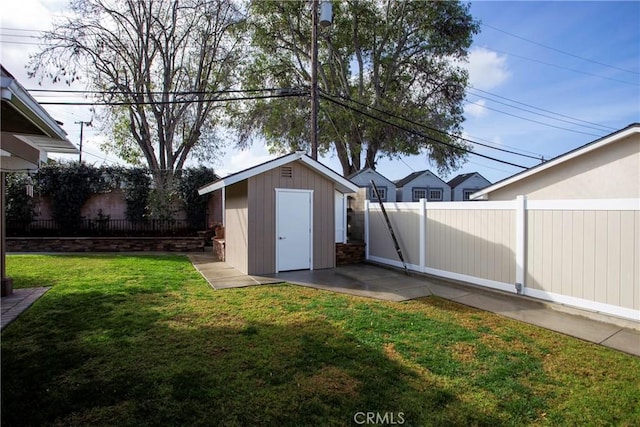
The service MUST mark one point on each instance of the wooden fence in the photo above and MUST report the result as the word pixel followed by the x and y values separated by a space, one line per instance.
pixel 583 253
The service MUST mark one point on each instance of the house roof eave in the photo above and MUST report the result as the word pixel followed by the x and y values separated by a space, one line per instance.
pixel 579 151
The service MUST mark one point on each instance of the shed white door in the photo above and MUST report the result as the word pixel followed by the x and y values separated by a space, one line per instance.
pixel 294 217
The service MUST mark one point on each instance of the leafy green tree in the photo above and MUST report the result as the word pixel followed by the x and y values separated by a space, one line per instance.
pixel 396 56
pixel 157 65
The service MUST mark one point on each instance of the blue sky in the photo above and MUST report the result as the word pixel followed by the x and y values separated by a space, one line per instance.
pixel 578 62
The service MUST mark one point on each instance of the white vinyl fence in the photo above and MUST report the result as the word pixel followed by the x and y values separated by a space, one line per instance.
pixel 583 253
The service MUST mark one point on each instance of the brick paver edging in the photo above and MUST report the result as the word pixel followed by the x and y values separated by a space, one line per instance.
pixel 16 303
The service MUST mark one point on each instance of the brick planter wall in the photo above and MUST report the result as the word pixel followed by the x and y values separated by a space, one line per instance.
pixel 349 253
pixel 105 244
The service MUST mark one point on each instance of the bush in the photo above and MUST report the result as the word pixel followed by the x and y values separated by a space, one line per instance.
pixel 20 209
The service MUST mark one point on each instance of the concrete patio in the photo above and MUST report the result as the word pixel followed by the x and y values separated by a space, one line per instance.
pixel 371 281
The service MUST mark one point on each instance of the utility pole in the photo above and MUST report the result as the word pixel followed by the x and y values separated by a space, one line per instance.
pixel 314 79
pixel 81 123
pixel 325 21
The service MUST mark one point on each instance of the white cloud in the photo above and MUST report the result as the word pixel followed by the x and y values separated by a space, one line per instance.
pixel 486 68
pixel 476 109
pixel 237 161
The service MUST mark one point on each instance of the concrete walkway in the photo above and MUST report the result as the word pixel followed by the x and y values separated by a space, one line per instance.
pixel 372 281
pixel 14 304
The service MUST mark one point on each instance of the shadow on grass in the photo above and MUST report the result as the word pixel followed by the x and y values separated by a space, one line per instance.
pixel 139 359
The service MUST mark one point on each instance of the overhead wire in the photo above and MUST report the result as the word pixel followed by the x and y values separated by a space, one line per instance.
pixel 558 50
pixel 539 114
pixel 472 89
pixel 186 101
pixel 565 68
pixel 437 130
pixel 533 121
pixel 417 133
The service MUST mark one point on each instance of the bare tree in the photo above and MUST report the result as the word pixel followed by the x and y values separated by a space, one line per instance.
pixel 158 66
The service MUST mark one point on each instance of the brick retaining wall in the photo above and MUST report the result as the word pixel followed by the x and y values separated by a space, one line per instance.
pixel 349 253
pixel 105 244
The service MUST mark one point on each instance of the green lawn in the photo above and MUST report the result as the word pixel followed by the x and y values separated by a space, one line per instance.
pixel 143 340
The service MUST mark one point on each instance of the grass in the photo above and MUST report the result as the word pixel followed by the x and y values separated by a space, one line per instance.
pixel 143 340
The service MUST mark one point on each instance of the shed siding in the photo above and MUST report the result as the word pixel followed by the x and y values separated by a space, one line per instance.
pixel 262 216
pixel 236 226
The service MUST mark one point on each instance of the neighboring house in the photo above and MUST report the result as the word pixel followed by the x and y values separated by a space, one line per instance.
pixel 607 168
pixel 285 214
pixel 464 185
pixel 386 187
pixel 422 185
pixel 27 134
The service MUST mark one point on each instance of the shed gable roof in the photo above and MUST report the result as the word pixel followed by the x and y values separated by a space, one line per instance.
pixel 342 184
pixel 559 160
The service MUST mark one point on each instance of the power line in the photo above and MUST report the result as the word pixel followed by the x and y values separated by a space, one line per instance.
pixel 194 101
pixel 533 121
pixel 537 155
pixel 22 43
pixel 192 92
pixel 558 50
pixel 565 68
pixel 533 112
pixel 437 130
pixel 420 134
pixel 536 108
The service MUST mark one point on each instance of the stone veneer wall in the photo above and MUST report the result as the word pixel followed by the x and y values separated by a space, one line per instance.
pixel 349 253
pixel 105 244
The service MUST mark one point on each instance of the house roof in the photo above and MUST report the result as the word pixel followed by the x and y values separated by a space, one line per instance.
pixel 342 184
pixel 407 179
pixel 28 131
pixel 556 161
pixel 368 169
pixel 462 178
pixel 353 175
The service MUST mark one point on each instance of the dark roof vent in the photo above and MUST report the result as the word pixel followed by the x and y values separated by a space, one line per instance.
pixel 286 172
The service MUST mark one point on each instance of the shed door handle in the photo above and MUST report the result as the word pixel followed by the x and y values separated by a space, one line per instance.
pixel 281 238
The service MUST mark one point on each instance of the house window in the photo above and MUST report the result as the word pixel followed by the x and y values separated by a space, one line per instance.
pixel 419 193
pixel 435 194
pixel 466 194
pixel 381 190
